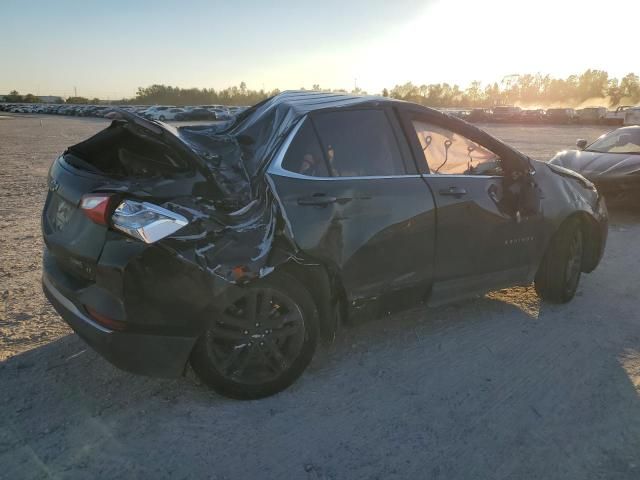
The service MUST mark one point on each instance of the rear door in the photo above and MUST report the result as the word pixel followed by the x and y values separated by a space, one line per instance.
pixel 349 201
pixel 485 240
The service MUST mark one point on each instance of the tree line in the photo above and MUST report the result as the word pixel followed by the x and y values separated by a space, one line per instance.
pixel 592 86
pixel 15 97
pixel 168 95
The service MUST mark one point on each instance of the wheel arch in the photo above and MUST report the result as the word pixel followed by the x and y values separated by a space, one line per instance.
pixel 327 291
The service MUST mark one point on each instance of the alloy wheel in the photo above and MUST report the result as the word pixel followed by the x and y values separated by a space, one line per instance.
pixel 258 337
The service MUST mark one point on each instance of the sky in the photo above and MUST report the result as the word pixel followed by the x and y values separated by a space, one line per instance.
pixel 109 48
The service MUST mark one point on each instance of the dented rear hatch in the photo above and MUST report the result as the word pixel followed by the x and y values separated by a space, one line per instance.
pixel 74 240
pixel 133 159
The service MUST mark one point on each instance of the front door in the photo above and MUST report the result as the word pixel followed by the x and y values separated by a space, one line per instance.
pixel 484 241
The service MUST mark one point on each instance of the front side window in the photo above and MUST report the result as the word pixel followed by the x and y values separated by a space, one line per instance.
pixel 449 153
pixel 359 143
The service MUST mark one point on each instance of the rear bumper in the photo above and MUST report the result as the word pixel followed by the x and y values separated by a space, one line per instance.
pixel 141 353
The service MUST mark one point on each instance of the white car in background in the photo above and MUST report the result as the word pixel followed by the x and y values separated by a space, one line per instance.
pixel 632 116
pixel 165 114
pixel 151 112
pixel 221 113
pixel 616 117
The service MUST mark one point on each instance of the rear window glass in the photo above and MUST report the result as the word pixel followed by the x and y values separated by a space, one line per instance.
pixel 304 155
pixel 359 143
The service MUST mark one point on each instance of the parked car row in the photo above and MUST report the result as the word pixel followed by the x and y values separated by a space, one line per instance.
pixel 624 115
pixel 156 112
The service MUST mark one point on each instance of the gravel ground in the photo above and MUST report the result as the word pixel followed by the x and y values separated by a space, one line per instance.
pixel 500 387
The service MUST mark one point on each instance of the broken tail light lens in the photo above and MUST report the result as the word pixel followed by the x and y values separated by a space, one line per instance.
pixel 97 207
pixel 104 320
pixel 146 221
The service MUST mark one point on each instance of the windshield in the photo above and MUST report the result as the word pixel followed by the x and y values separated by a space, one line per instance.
pixel 623 140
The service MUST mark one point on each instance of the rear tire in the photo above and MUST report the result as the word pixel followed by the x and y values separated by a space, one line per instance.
pixel 261 342
pixel 559 273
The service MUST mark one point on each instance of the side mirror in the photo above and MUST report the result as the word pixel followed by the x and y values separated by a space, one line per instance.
pixel 581 143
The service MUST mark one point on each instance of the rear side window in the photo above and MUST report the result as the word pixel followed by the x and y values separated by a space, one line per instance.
pixel 304 155
pixel 358 143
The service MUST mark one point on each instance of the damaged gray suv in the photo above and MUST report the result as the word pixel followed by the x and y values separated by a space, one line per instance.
pixel 237 246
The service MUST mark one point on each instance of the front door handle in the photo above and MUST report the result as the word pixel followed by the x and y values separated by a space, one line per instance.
pixel 453 191
pixel 318 200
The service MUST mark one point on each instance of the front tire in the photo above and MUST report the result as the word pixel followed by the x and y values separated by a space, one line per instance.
pixel 559 273
pixel 260 342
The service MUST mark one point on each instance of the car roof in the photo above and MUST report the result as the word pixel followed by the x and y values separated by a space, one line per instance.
pixel 302 102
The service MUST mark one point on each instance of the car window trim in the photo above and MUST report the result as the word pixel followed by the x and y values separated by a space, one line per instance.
pixel 276 168
pixel 409 138
pixel 404 147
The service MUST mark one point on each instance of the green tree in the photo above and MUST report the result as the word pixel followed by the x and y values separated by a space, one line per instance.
pixel 30 98
pixel 613 92
pixel 592 84
pixel 474 96
pixel 630 87
pixel 78 100
pixel 13 97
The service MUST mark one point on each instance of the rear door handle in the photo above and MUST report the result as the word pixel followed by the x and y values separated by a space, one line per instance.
pixel 453 191
pixel 318 200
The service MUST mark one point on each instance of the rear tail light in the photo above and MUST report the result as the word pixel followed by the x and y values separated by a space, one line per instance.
pixel 146 221
pixel 104 320
pixel 97 207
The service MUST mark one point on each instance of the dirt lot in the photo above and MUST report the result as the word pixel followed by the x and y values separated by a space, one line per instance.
pixel 500 387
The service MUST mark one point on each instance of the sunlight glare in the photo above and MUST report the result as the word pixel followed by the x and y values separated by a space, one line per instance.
pixel 458 41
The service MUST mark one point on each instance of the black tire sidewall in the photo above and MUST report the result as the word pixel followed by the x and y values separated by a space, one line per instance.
pixel 570 290
pixel 208 373
pixel 552 282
